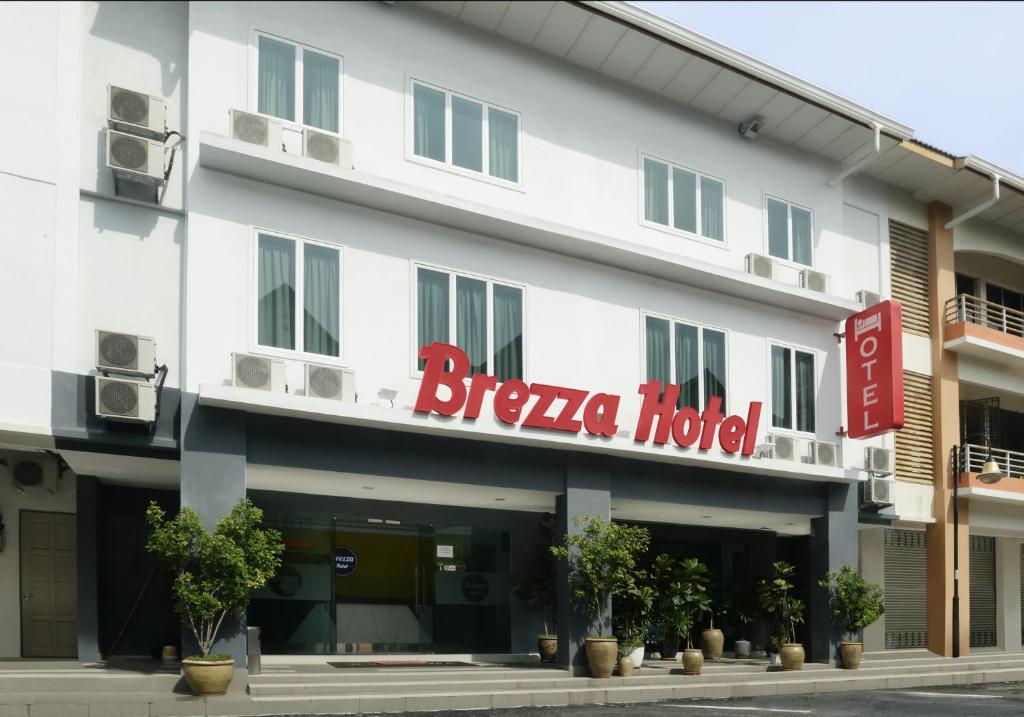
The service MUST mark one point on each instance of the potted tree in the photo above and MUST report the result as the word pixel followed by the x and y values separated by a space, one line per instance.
pixel 855 603
pixel 664 574
pixel 213 575
pixel 537 589
pixel 712 639
pixel 602 559
pixel 631 611
pixel 693 601
pixel 785 612
pixel 742 610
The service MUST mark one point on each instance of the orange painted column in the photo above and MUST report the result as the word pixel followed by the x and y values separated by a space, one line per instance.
pixel 946 424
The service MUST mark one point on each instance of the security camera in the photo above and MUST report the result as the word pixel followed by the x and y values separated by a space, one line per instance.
pixel 751 128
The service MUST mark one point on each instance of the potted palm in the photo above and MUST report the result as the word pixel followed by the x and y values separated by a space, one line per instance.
pixel 631 611
pixel 213 576
pixel 537 589
pixel 785 612
pixel 602 559
pixel 693 601
pixel 855 603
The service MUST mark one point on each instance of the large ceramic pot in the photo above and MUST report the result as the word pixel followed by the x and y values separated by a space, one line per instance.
pixel 850 652
pixel 792 656
pixel 548 648
pixel 602 654
pixel 711 643
pixel 208 677
pixel 637 657
pixel 625 666
pixel 693 661
pixel 669 648
pixel 741 649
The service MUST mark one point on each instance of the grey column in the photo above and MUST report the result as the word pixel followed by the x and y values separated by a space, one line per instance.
pixel 587 492
pixel 213 453
pixel 86 569
pixel 833 544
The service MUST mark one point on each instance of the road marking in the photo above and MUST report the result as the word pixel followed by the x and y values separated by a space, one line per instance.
pixel 743 709
pixel 959 695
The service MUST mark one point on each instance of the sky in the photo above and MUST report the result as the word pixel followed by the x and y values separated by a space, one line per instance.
pixel 950 70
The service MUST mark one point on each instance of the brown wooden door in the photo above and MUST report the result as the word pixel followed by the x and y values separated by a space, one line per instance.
pixel 48 585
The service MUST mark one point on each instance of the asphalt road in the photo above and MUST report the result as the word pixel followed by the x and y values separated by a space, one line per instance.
pixel 1000 699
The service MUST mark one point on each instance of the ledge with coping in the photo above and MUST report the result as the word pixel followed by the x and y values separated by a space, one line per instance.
pixel 291 171
pixel 985 343
pixel 1008 490
pixel 404 419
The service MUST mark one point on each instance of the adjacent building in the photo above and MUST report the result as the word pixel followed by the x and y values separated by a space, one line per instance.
pixel 230 230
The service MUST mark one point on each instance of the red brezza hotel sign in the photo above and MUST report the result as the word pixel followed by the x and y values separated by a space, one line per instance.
pixel 557 408
pixel 874 370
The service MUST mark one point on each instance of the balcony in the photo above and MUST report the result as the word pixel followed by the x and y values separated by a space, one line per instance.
pixel 1009 490
pixel 985 330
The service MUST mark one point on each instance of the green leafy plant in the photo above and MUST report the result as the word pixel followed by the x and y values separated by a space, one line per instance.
pixel 602 560
pixel 783 610
pixel 741 606
pixel 681 594
pixel 214 573
pixel 631 610
pixel 855 603
pixel 537 589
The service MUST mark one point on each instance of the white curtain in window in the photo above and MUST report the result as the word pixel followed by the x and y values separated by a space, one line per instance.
pixel 508 332
pixel 684 200
pixel 471 321
pixel 276 287
pixel 782 412
pixel 320 91
pixel 778 229
pixel 801 236
pixel 658 352
pixel 467 134
pixel 428 123
pixel 432 306
pixel 714 366
pixel 321 294
pixel 503 134
pixel 712 209
pixel 804 366
pixel 687 366
pixel 276 90
pixel 655 192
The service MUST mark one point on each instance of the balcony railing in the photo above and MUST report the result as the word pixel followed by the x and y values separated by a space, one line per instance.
pixel 984 313
pixel 1010 462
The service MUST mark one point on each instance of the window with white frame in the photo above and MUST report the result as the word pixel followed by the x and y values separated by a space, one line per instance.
pixel 790 231
pixel 298 84
pixel 793 389
pixel 298 300
pixel 688 355
pixel 482 317
pixel 465 133
pixel 683 199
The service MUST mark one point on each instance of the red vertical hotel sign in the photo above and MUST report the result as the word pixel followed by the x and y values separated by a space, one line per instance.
pixel 874 370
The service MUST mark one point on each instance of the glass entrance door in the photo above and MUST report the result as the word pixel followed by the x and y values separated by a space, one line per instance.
pixel 383 587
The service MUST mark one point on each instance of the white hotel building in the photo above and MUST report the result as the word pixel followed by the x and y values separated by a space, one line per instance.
pixel 577 194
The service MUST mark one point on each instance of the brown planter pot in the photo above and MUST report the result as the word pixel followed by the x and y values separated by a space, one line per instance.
pixel 602 654
pixel 208 677
pixel 711 643
pixel 548 649
pixel 625 666
pixel 850 652
pixel 792 656
pixel 670 648
pixel 693 661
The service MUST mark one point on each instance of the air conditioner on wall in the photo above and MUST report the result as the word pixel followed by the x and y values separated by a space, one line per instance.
pixel 136 113
pixel 127 400
pixel 255 129
pixel 878 460
pixel 330 382
pixel 257 372
pixel 813 280
pixel 879 491
pixel 135 159
pixel 326 148
pixel 868 298
pixel 125 354
pixel 784 447
pixel 822 453
pixel 760 265
pixel 33 472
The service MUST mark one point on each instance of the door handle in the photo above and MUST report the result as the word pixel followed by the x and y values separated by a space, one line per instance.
pixel 27 596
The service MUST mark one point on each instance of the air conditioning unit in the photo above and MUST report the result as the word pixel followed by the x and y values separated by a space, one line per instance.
pixel 784 447
pixel 255 129
pixel 257 372
pixel 766 450
pixel 822 453
pixel 760 265
pixel 136 113
pixel 330 382
pixel 878 460
pixel 121 399
pixel 125 354
pixel 867 298
pixel 135 159
pixel 33 472
pixel 879 491
pixel 813 280
pixel 326 147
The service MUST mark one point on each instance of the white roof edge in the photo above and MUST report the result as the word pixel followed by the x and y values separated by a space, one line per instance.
pixel 677 34
pixel 1005 175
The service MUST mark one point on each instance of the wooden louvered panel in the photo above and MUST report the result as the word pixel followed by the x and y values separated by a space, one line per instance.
pixel 908 247
pixel 915 447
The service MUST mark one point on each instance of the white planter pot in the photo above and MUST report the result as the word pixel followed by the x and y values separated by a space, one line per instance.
pixel 637 656
pixel 741 649
pixel 774 658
